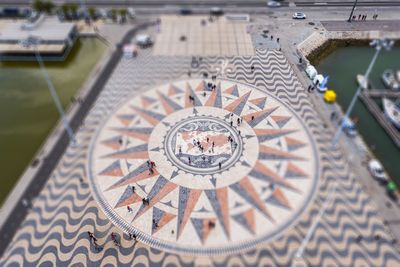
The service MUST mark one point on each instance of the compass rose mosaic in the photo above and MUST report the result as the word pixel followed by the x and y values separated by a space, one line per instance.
pixel 200 168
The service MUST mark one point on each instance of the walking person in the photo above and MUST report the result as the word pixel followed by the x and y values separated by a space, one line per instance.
pixel 130 210
pixel 220 165
pixel 93 240
pixel 114 239
pixel 91 236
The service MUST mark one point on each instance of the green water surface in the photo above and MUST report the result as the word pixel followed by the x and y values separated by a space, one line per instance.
pixel 342 66
pixel 27 112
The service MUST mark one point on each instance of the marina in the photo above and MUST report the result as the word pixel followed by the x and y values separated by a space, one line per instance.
pixel 380 116
pixel 368 96
pixel 378 132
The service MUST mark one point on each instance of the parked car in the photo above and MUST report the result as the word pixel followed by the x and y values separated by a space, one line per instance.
pixel 273 4
pixel 144 40
pixel 299 15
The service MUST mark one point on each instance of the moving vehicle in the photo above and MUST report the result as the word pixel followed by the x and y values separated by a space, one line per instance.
pixel 389 80
pixel 185 11
pixel 392 111
pixel 299 15
pixel 273 4
pixel 377 171
pixel 216 11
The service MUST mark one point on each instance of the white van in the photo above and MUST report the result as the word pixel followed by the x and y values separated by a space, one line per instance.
pixel 144 40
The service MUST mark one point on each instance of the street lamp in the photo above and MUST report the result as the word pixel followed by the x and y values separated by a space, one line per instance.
pixel 378 44
pixel 352 10
pixel 33 41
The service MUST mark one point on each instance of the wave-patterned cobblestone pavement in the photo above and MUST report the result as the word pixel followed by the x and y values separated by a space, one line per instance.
pixel 55 231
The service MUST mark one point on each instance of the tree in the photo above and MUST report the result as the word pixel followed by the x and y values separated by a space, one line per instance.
pixel 74 10
pixel 92 12
pixel 114 14
pixel 65 9
pixel 38 6
pixel 123 12
pixel 48 7
pixel 43 6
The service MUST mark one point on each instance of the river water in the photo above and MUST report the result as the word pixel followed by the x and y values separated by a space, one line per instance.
pixel 342 66
pixel 27 112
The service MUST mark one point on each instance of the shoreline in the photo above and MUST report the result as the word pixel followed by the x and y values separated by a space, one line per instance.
pixel 49 141
pixel 330 41
pixel 15 209
pixel 308 49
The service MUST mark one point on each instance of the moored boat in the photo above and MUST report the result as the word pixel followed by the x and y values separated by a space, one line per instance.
pixel 392 111
pixel 349 127
pixel 389 80
pixel 398 76
pixel 362 81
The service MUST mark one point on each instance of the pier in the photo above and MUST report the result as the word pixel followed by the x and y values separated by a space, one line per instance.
pixel 382 93
pixel 366 97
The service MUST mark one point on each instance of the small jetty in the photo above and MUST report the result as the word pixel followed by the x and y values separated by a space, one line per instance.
pixel 367 96
pixel 382 93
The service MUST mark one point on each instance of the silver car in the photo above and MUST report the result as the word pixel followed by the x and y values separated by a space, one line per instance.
pixel 299 15
pixel 273 4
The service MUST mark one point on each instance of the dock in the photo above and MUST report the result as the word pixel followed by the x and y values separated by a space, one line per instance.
pixel 382 93
pixel 366 97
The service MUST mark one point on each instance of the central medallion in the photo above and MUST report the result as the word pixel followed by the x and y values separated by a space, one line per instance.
pixel 203 145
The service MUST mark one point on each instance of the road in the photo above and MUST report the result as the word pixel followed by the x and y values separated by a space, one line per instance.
pixel 222 3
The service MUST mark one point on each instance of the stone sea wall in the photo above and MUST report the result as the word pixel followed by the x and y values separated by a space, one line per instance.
pixel 321 43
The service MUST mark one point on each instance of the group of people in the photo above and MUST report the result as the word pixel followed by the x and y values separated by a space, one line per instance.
pixel 151 165
pixel 310 88
pixel 363 17
pixel 93 240
pixel 114 238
